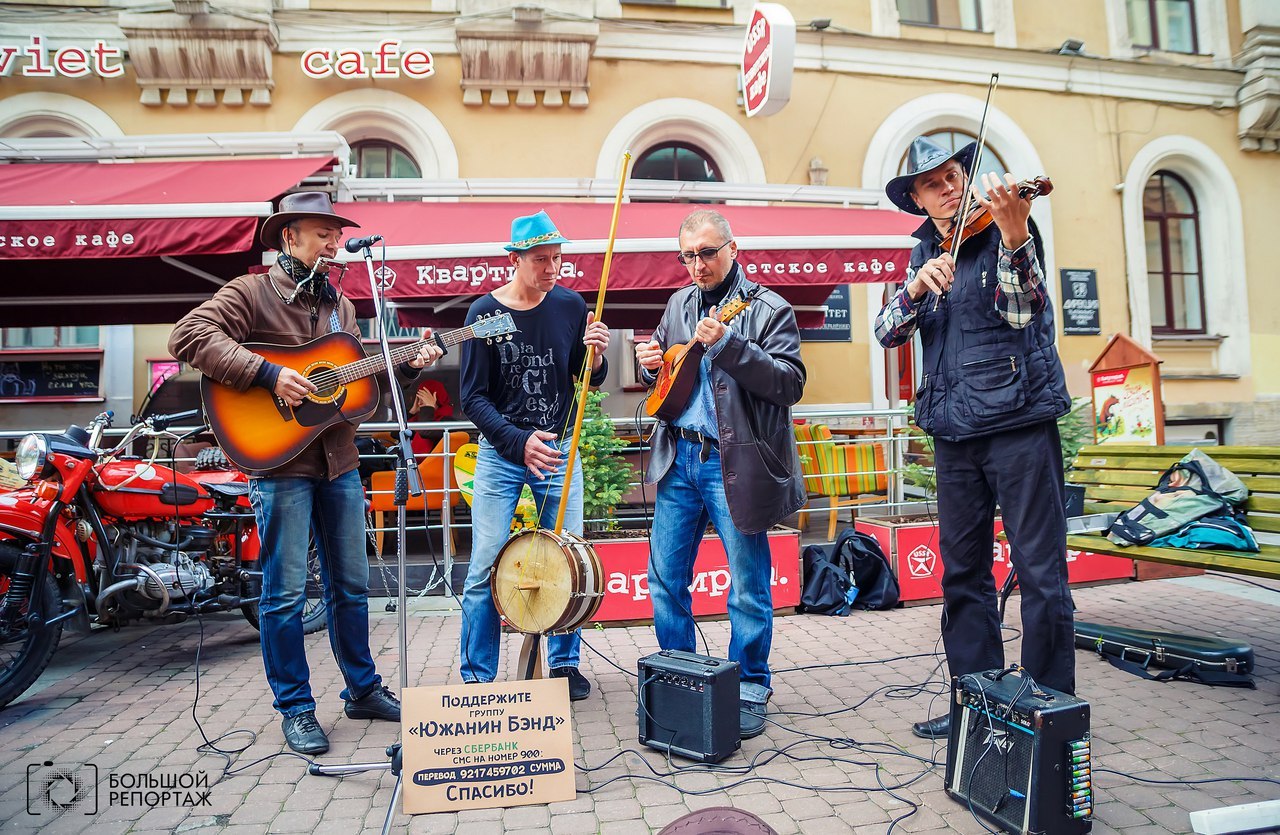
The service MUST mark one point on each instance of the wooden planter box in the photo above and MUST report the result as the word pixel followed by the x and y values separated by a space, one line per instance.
pixel 626 576
pixel 914 553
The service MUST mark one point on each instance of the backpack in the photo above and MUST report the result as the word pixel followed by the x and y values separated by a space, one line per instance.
pixel 828 589
pixel 1222 532
pixel 1195 487
pixel 859 554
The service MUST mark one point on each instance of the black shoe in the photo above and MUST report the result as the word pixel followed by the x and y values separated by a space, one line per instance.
pixel 939 728
pixel 303 733
pixel 750 719
pixel 579 687
pixel 380 704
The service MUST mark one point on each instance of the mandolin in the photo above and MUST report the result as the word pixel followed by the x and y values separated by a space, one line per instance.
pixel 679 372
pixel 259 431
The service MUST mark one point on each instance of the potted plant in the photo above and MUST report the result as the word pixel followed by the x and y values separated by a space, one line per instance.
pixel 911 542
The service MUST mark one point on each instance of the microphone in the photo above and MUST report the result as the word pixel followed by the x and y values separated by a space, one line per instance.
pixel 357 244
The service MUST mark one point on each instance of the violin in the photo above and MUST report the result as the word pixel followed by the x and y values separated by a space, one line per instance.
pixel 978 218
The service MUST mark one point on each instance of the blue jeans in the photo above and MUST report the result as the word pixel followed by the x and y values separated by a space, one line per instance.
pixel 688 495
pixel 287 509
pixel 498 483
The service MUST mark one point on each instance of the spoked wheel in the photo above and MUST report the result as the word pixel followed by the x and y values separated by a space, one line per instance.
pixel 24 655
pixel 314 617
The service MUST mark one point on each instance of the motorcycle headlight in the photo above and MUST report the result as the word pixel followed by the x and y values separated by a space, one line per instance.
pixel 32 457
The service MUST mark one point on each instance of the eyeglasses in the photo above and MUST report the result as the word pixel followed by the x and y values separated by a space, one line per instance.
pixel 706 255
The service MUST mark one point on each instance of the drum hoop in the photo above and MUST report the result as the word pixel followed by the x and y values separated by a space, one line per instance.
pixel 569 619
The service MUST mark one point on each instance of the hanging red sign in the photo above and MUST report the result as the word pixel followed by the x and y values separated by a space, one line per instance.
pixel 768 57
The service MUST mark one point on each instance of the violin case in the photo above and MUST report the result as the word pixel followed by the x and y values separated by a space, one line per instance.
pixel 1226 662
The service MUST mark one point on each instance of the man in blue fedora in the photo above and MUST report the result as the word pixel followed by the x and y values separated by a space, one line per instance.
pixel 520 393
pixel 991 390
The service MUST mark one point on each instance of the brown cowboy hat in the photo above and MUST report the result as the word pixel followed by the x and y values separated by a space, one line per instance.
pixel 297 206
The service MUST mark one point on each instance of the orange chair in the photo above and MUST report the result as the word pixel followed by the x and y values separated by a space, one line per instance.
pixel 433 469
pixel 842 472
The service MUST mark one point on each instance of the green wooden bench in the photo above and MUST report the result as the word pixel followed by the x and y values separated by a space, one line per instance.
pixel 1116 477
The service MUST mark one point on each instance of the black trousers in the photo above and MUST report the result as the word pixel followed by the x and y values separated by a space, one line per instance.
pixel 1020 470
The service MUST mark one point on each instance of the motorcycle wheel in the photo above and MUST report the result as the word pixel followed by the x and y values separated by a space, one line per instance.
pixel 314 617
pixel 23 659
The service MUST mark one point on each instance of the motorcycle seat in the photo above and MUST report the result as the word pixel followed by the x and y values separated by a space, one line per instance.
pixel 230 490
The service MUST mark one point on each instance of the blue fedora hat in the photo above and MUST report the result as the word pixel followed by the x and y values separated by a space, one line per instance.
pixel 533 230
pixel 924 156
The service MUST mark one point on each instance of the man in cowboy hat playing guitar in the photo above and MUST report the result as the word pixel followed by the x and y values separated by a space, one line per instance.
pixel 318 491
pixel 991 390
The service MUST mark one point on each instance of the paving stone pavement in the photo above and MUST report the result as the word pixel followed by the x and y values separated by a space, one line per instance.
pixel 126 702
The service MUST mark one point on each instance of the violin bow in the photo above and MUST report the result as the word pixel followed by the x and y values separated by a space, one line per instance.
pixel 962 215
pixel 585 380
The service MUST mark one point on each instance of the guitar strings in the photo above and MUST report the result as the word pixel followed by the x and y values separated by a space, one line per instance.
pixel 333 377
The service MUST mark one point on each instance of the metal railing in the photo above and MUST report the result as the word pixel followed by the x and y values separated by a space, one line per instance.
pixel 886 427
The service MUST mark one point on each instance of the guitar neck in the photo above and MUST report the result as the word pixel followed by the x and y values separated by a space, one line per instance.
pixel 403 353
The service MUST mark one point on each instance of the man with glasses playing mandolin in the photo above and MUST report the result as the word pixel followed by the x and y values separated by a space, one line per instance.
pixel 316 492
pixel 991 389
pixel 728 454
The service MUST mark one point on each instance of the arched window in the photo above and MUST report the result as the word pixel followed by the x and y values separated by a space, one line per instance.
pixel 1175 274
pixel 677 161
pixel 954 140
pixel 380 158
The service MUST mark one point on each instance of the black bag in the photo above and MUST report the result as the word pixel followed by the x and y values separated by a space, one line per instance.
pixel 826 585
pixel 860 555
pixel 1219 662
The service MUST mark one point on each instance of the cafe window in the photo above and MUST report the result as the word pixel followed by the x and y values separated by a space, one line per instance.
pixel 69 336
pixel 1175 274
pixel 379 158
pixel 677 161
pixel 953 140
pixel 1168 25
pixel 948 14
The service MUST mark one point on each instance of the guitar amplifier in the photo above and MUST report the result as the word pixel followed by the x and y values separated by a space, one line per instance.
pixel 1018 754
pixel 689 705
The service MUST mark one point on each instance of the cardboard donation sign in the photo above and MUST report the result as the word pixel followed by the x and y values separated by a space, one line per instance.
pixel 480 746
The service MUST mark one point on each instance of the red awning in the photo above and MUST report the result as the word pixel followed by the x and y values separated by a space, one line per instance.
pixel 131 243
pixel 445 254
pixel 140 209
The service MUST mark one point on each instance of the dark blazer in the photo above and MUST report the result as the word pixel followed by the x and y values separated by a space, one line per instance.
pixel 755 379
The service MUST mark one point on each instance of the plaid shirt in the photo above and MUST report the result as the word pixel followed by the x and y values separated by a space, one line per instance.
pixel 1019 296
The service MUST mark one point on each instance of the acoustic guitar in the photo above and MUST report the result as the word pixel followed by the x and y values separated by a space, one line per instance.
pixel 259 431
pixel 679 372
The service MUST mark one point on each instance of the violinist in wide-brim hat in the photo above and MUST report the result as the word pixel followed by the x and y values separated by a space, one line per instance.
pixel 991 389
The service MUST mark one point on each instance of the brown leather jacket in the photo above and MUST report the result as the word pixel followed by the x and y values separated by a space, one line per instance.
pixel 248 309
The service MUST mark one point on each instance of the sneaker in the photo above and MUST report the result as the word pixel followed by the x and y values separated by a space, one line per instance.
pixel 579 687
pixel 303 733
pixel 750 719
pixel 380 704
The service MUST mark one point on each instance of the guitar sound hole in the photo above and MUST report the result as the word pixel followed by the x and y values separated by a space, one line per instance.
pixel 325 381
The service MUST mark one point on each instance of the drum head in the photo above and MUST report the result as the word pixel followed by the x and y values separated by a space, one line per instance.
pixel 533 581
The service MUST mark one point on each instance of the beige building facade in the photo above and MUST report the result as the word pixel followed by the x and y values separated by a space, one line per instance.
pixel 1157 122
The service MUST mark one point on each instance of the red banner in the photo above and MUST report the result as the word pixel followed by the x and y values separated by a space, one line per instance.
pixel 631 271
pixel 626 576
pixel 125 238
pixel 915 554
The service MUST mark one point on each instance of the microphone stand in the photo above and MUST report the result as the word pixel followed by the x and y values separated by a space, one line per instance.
pixel 407 482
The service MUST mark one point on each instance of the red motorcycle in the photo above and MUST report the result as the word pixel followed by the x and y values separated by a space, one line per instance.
pixel 98 537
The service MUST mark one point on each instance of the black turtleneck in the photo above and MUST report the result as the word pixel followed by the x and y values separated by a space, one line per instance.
pixel 712 298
